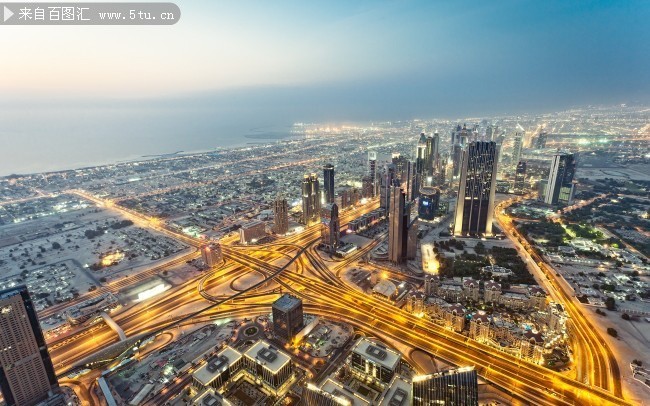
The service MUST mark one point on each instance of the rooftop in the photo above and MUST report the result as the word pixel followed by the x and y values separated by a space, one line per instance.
pixel 210 398
pixel 216 365
pixel 287 302
pixel 398 393
pixel 337 390
pixel 270 357
pixel 377 353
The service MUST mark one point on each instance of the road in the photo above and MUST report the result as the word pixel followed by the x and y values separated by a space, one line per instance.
pixel 307 276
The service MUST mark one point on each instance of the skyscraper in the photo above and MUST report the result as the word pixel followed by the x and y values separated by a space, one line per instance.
pixel 26 371
pixel 288 317
pixel 459 141
pixel 520 177
pixel 432 154
pixel 386 181
pixel 280 215
pixel 397 226
pixel 310 200
pixel 421 155
pixel 372 170
pixel 328 183
pixel 428 203
pixel 540 141
pixel 331 229
pixel 489 133
pixel 454 387
pixel 475 204
pixel 560 188
pixel 517 146
pixel 211 255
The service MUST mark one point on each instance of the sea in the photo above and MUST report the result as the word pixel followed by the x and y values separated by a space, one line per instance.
pixel 41 139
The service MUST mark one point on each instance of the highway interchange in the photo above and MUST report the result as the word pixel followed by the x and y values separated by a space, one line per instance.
pixel 293 264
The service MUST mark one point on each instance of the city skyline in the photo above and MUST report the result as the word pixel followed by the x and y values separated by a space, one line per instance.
pixel 222 82
pixel 372 203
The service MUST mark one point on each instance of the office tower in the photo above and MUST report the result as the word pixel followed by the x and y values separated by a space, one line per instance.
pixel 475 204
pixel 386 181
pixel 331 229
pixel 432 154
pixel 460 138
pixel 397 226
pixel 367 187
pixel 520 177
pixel 252 232
pixel 280 215
pixel 269 366
pixel 475 133
pixel 409 181
pixel 517 146
pixel 373 361
pixel 212 255
pixel 412 241
pixel 372 170
pixel 328 183
pixel 399 162
pixel 489 133
pixel 441 177
pixel 453 387
pixel 219 369
pixel 560 188
pixel 26 372
pixel 313 396
pixel 428 203
pixel 287 316
pixel 421 155
pixel 310 200
pixel 540 141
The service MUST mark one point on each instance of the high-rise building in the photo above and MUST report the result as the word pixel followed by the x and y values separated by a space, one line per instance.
pixel 421 155
pixel 280 215
pixel 489 133
pixel 310 200
pixel 26 372
pixel 432 154
pixel 373 361
pixel 288 316
pixel 328 183
pixel 269 366
pixel 517 147
pixel 211 254
pixel 428 203
pixel 412 240
pixel 386 181
pixel 397 226
pixel 372 171
pixel 313 396
pixel 560 187
pixel 331 229
pixel 475 204
pixel 367 187
pixel 520 178
pixel 454 387
pixel 540 141
pixel 252 232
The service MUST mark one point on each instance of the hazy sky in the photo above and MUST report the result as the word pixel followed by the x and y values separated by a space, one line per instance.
pixel 277 62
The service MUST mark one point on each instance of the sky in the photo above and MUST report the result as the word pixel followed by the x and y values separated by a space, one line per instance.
pixel 257 63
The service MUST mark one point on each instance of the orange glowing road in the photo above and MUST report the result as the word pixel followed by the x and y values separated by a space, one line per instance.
pixel 324 294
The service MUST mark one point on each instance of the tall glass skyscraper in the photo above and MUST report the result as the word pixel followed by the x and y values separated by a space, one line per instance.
pixel 26 372
pixel 475 205
pixel 560 188
pixel 457 387
pixel 328 183
pixel 310 200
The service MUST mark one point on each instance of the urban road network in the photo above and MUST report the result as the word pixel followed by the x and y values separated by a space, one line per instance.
pixel 292 264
